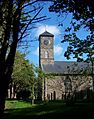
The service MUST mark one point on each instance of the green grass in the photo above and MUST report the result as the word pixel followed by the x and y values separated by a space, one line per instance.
pixel 14 104
pixel 51 110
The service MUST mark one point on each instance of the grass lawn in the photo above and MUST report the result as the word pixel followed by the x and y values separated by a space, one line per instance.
pixel 52 110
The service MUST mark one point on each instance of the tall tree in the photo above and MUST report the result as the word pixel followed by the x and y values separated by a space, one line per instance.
pixel 23 76
pixel 82 13
pixel 16 17
pixel 82 16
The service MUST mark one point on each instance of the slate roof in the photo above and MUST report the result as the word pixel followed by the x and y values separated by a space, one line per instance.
pixel 65 67
pixel 46 33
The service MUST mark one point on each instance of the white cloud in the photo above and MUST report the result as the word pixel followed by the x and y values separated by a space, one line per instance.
pixel 50 28
pixel 36 52
pixel 58 49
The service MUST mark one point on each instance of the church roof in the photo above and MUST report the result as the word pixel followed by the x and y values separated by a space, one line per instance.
pixel 65 67
pixel 46 33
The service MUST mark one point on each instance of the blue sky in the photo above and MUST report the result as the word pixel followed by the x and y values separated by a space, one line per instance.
pixel 51 26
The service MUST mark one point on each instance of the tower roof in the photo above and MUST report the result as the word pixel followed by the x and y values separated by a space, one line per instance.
pixel 46 33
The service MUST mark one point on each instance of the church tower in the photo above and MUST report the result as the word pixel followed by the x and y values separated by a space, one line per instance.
pixel 46 50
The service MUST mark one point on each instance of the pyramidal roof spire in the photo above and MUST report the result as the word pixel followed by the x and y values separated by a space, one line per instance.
pixel 46 33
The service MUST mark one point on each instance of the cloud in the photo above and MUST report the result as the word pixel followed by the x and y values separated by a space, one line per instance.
pixel 50 28
pixel 36 52
pixel 58 49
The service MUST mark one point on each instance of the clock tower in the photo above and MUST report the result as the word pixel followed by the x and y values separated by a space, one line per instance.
pixel 46 50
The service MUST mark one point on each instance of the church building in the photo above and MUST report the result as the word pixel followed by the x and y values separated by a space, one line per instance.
pixel 63 77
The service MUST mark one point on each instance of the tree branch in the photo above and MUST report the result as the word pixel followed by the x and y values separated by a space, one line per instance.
pixel 29 4
pixel 30 23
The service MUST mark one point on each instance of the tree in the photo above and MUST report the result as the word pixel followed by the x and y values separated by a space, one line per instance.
pixel 40 77
pixel 82 16
pixel 15 20
pixel 82 13
pixel 23 77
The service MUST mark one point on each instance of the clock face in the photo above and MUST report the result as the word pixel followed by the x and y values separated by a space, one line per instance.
pixel 46 42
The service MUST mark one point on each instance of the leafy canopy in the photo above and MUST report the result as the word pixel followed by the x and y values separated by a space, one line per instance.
pixel 23 75
pixel 82 12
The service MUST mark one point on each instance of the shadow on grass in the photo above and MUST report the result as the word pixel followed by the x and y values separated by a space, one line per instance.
pixel 52 111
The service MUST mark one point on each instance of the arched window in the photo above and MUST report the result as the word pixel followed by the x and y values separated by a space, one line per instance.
pixel 54 95
pixel 46 54
pixel 68 84
pixel 51 96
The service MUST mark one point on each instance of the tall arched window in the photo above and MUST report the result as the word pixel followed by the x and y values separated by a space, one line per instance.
pixel 46 54
pixel 68 84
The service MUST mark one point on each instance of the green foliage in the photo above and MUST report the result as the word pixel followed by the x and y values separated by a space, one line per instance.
pixel 78 47
pixel 23 75
pixel 82 13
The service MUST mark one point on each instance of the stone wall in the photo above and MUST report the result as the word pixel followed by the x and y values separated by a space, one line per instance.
pixel 56 87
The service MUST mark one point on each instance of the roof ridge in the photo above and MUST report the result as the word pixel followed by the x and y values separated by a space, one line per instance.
pixel 46 33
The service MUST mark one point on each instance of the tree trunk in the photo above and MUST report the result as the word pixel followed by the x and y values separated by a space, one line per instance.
pixel 3 52
pixel 33 92
pixel 92 75
pixel 6 65
pixel 5 79
pixel 2 96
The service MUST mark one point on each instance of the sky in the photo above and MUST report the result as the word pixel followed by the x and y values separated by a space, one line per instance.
pixel 51 26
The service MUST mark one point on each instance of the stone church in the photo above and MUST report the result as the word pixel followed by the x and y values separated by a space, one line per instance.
pixel 63 77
